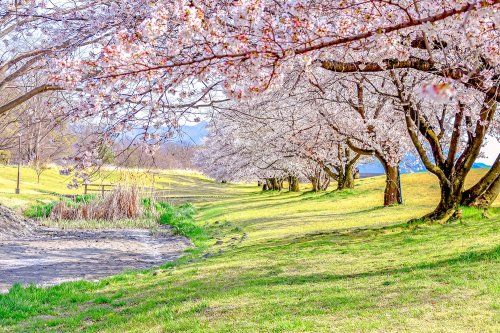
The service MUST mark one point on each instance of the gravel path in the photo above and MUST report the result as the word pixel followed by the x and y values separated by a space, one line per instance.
pixel 49 257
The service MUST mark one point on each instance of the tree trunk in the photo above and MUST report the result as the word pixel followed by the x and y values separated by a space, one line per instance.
pixel 391 192
pixel 448 205
pixel 346 178
pixel 280 183
pixel 315 183
pixel 274 184
pixel 326 183
pixel 476 195
pixel 400 188
pixel 485 199
pixel 294 184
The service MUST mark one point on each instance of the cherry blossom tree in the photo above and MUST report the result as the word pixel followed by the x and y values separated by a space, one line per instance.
pixel 33 34
pixel 249 44
pixel 454 137
pixel 144 67
pixel 344 117
pixel 231 156
pixel 360 108
pixel 288 135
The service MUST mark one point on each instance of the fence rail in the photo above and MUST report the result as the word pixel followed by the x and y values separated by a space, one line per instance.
pixel 101 188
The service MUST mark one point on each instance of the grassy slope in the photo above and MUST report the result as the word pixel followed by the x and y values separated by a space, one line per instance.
pixel 178 182
pixel 295 262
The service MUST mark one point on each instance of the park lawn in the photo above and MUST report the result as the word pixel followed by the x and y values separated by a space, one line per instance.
pixel 295 262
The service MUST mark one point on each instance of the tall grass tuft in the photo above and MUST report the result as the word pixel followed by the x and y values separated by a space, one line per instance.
pixel 122 203
pixel 181 219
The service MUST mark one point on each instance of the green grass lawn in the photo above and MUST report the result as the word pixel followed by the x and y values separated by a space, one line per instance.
pixel 294 262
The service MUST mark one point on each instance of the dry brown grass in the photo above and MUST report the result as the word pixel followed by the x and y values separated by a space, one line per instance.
pixel 122 203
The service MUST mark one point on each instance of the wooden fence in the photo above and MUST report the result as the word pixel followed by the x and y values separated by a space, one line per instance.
pixel 100 188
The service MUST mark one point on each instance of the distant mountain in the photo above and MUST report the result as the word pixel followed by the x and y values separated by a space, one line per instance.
pixel 375 168
pixel 192 134
pixel 479 165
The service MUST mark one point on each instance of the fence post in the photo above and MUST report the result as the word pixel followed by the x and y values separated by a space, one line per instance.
pixel 84 188
pixel 102 190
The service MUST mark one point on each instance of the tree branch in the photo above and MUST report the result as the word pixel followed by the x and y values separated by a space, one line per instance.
pixel 33 92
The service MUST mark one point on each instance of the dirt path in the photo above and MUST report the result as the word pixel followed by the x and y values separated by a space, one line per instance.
pixel 51 256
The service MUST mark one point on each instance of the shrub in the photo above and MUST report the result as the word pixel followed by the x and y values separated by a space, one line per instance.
pixel 41 210
pixel 150 208
pixel 5 156
pixel 86 198
pixel 122 203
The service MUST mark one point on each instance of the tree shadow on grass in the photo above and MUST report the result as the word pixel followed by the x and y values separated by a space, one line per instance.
pixel 468 257
pixel 269 222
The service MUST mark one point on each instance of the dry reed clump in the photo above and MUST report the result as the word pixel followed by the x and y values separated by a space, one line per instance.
pixel 122 203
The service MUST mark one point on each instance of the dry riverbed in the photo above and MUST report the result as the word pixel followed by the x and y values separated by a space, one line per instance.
pixel 48 256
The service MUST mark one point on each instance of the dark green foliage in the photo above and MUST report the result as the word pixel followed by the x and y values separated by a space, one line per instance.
pixel 40 210
pixel 86 198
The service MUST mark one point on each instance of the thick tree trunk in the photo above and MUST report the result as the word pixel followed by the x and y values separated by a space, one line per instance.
pixel 452 167
pixel 294 184
pixel 451 193
pixel 346 178
pixel 392 193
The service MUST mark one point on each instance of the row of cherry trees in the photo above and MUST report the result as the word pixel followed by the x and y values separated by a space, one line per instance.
pixel 322 122
pixel 323 78
pixel 314 131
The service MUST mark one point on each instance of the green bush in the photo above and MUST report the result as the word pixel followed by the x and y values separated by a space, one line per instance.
pixel 40 210
pixel 85 198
